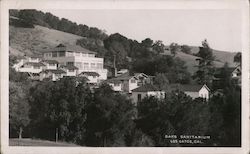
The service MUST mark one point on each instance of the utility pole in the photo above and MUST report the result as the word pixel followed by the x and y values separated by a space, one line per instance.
pixel 56 134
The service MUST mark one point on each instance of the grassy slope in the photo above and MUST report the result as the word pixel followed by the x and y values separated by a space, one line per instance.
pixel 31 40
pixel 222 56
pixel 35 142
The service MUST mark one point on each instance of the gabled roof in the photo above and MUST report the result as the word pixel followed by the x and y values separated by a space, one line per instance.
pixel 59 71
pixel 69 47
pixel 69 67
pixel 124 76
pixel 146 88
pixel 186 87
pixel 34 64
pixel 218 71
pixel 51 61
pixel 137 74
pixel 89 74
pixel 113 80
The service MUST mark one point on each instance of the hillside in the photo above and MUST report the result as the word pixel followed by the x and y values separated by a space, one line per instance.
pixel 222 56
pixel 31 40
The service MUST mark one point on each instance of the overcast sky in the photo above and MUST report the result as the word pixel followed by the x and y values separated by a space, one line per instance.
pixel 222 28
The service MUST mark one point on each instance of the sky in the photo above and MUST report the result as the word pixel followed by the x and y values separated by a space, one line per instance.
pixel 221 28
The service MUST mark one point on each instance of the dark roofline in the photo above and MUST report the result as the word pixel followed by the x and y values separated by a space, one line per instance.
pixel 69 47
pixel 146 88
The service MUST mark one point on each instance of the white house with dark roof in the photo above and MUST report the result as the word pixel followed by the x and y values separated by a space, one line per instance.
pixel 194 91
pixel 92 77
pixel 77 56
pixel 142 79
pixel 147 90
pixel 124 83
pixel 31 67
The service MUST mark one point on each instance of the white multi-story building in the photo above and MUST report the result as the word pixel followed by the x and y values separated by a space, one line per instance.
pixel 73 55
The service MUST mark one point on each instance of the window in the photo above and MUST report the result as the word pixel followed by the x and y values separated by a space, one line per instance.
pixel 48 54
pixel 139 97
pixel 71 70
pixel 27 66
pixel 116 84
pixel 99 65
pixel 70 53
pixel 62 54
pixel 54 54
pixel 92 65
pixel 84 55
pixel 91 55
pixel 86 65
pixel 70 63
pixel 36 67
pixel 79 65
pixel 132 81
pixel 77 54
pixel 51 64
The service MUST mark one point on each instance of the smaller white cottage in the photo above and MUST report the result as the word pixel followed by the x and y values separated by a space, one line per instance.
pixel 193 91
pixel 146 90
pixel 32 67
pixel 124 83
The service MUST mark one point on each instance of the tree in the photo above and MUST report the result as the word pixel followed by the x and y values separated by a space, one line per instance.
pixel 185 49
pixel 237 58
pixel 148 43
pixel 60 107
pixel 109 118
pixel 161 81
pixel 158 46
pixel 205 70
pixel 18 108
pixel 174 48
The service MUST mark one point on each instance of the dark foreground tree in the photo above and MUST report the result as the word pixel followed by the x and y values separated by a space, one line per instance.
pixel 109 118
pixel 18 109
pixel 58 109
pixel 205 66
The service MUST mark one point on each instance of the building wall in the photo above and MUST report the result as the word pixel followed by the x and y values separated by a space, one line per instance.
pixel 35 60
pixel 92 79
pixel 157 94
pixel 51 67
pixel 134 96
pixel 30 69
pixel 132 85
pixel 192 94
pixel 204 93
pixel 69 73
pixel 85 64
pixel 118 87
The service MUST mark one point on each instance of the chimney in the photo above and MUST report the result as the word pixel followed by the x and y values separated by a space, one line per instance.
pixel 114 67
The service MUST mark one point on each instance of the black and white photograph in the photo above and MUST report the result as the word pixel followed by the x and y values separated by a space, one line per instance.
pixel 97 78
